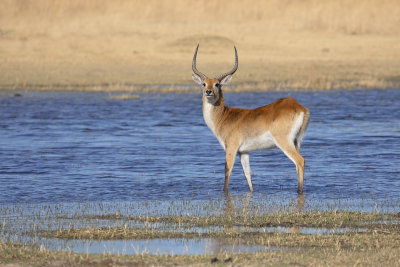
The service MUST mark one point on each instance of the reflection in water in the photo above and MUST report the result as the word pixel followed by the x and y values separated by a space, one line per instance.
pixel 301 200
pixel 243 199
pixel 231 211
pixel 229 205
pixel 172 246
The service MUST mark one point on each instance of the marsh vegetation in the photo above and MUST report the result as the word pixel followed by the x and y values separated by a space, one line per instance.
pixel 235 231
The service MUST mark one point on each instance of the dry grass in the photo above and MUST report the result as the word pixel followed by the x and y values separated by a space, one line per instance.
pixel 373 221
pixel 351 17
pixel 124 97
pixel 12 254
pixel 116 233
pixel 377 244
pixel 94 45
pixel 317 219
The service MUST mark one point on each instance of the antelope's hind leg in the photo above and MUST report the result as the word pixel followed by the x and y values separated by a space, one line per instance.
pixel 245 160
pixel 290 151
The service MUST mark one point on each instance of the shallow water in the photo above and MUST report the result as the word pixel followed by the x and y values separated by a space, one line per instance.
pixel 79 147
pixel 71 154
pixel 183 246
pixel 173 246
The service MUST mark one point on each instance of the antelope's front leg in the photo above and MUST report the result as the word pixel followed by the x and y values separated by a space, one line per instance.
pixel 245 160
pixel 229 162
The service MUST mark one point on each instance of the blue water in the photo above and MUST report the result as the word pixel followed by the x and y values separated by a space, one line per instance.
pixel 77 147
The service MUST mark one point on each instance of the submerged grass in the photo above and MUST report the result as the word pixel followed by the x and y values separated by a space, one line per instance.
pixel 227 222
pixel 327 219
pixel 388 237
pixel 372 248
pixel 378 230
pixel 116 233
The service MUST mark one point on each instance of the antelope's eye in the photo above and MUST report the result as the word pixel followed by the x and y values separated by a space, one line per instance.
pixel 204 84
pixel 217 85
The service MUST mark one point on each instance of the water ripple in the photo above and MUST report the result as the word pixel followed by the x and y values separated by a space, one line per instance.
pixel 71 147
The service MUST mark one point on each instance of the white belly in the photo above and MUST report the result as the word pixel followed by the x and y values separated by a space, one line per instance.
pixel 264 141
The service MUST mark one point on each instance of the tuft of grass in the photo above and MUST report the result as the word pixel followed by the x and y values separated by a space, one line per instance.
pixel 116 233
pixel 124 97
pixel 326 219
pixel 227 226
pixel 28 256
pixel 353 248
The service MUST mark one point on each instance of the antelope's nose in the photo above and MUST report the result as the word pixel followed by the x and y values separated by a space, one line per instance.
pixel 208 92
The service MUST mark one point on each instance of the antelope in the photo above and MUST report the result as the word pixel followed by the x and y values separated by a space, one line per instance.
pixel 281 124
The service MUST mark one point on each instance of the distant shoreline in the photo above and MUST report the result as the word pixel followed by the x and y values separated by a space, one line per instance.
pixel 115 46
pixel 169 88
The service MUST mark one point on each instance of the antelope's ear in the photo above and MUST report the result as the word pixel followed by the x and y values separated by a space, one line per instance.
pixel 226 80
pixel 196 78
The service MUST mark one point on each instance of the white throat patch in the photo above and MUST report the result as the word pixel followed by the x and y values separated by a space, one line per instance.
pixel 208 110
pixel 207 114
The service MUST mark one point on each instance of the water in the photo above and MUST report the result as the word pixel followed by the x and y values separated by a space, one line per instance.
pixel 173 246
pixel 83 147
pixel 83 153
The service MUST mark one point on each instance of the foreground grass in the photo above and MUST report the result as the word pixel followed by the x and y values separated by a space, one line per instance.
pixel 25 256
pixel 374 239
pixel 366 230
pixel 358 240
pixel 317 219
pixel 376 244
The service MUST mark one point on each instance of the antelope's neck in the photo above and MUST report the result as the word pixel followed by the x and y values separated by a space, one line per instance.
pixel 213 113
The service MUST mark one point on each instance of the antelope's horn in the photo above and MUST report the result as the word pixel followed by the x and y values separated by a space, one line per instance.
pixel 202 76
pixel 222 76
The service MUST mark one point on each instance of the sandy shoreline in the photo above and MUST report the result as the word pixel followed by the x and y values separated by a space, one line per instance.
pixel 127 92
pixel 81 46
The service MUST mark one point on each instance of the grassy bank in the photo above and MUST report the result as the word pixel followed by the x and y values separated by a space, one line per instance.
pixel 15 254
pixel 348 237
pixel 123 45
pixel 376 244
